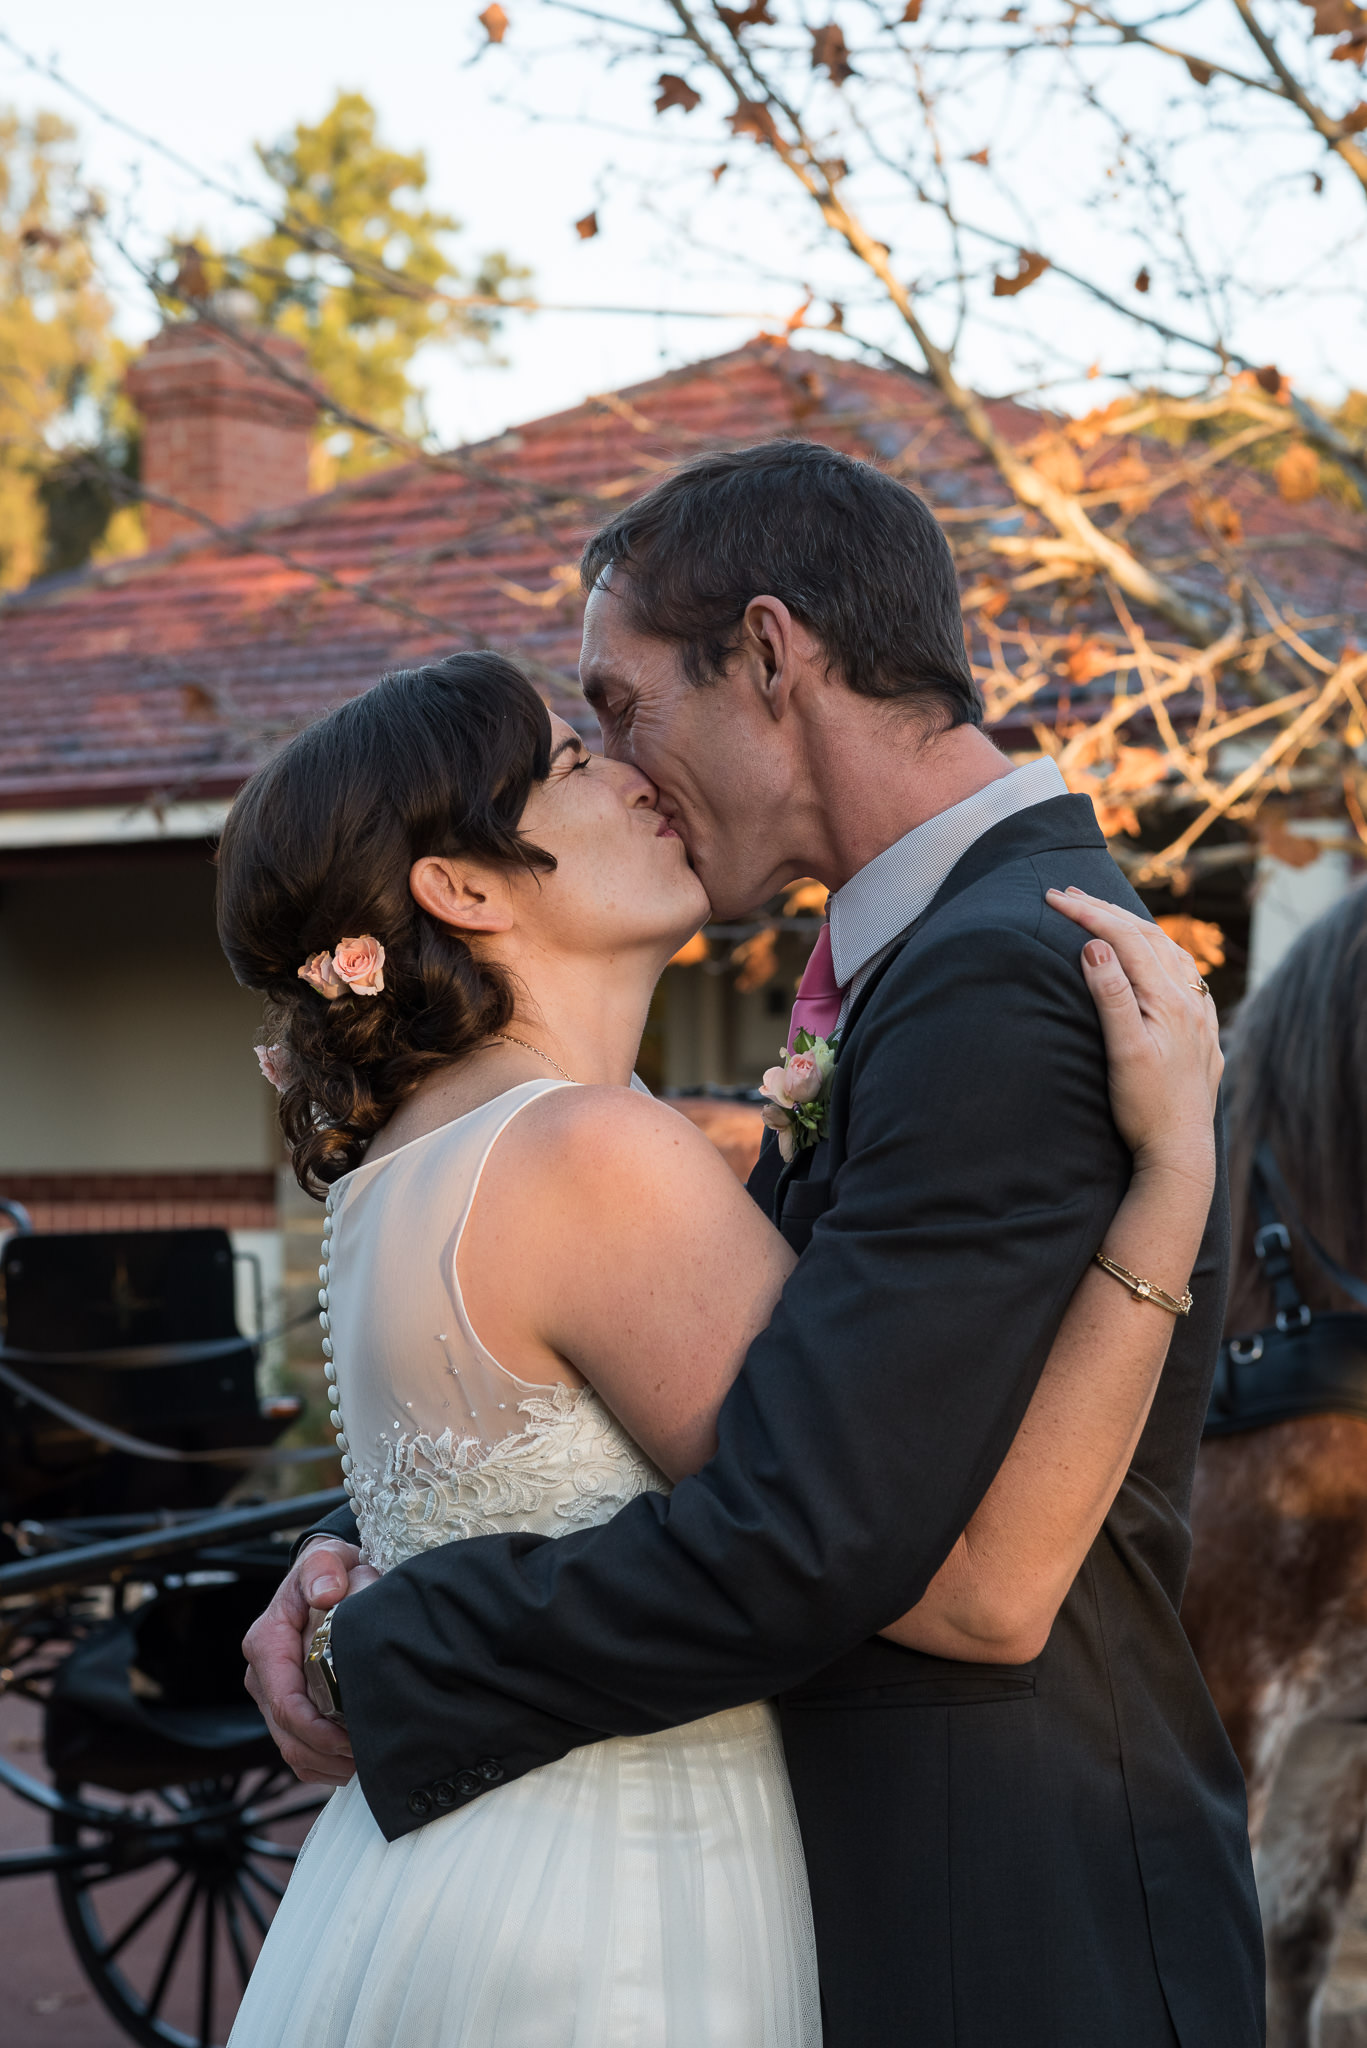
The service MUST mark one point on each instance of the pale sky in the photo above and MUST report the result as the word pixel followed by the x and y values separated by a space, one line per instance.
pixel 207 81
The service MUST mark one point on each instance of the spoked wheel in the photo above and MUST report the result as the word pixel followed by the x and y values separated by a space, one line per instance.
pixel 169 1913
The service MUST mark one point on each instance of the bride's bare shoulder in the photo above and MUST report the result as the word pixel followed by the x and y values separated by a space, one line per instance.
pixel 627 1121
pixel 605 1138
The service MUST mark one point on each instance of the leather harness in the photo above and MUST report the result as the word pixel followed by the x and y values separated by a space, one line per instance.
pixel 1303 1364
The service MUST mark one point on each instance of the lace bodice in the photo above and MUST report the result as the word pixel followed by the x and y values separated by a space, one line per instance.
pixel 438 1440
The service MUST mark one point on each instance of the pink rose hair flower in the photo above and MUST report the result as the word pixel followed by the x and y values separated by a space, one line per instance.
pixel 274 1063
pixel 353 967
pixel 360 964
pixel 319 973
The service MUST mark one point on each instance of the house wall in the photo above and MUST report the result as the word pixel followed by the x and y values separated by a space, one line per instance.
pixel 125 1043
pixel 715 1037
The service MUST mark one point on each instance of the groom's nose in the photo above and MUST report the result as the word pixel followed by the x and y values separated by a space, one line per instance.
pixel 639 792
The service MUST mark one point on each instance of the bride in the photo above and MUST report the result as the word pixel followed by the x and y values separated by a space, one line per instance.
pixel 538 1285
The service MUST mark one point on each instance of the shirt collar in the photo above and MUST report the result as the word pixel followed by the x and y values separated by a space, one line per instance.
pixel 887 895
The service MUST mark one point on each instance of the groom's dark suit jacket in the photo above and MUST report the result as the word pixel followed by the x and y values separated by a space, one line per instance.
pixel 1048 1857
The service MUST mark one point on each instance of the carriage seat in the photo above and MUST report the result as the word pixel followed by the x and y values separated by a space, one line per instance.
pixel 138 1330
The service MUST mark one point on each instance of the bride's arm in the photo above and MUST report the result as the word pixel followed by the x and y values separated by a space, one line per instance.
pixel 653 1272
pixel 996 1596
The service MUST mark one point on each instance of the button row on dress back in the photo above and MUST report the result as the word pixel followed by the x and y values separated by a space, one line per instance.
pixel 329 1367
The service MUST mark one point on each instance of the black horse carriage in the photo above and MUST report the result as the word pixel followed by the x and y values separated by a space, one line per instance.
pixel 128 1409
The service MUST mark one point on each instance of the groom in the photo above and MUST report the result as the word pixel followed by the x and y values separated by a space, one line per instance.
pixel 1046 1855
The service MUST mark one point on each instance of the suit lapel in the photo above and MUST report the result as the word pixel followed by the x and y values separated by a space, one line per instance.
pixel 1061 821
pixel 765 1175
pixel 1058 823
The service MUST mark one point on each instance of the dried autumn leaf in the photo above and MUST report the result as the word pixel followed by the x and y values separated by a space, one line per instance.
pixel 1355 120
pixel 1218 518
pixel 692 953
pixel 1116 818
pixel 1351 50
pixel 191 279
pixel 1031 266
pixel 494 22
pixel 1292 849
pixel 1297 473
pixel 1097 425
pixel 831 53
pixel 1013 14
pixel 1204 941
pixel 836 323
pixel 912 11
pixel 719 172
pixel 1143 280
pixel 1058 464
pixel 1200 71
pixel 989 597
pixel 1269 379
pixel 808 393
pixel 737 18
pixel 757 959
pixel 1092 658
pixel 752 117
pixel 1335 17
pixel 587 228
pixel 197 702
pixel 979 156
pixel 675 92
pixel 1126 476
pixel 1135 769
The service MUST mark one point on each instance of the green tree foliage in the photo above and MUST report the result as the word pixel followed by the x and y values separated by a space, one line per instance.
pixel 364 312
pixel 60 362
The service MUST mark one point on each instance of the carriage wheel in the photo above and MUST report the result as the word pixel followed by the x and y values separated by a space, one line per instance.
pixel 170 1919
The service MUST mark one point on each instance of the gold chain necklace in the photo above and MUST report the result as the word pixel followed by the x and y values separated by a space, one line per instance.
pixel 508 1039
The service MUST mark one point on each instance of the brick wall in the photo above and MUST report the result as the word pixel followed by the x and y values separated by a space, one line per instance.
pixel 220 432
pixel 144 1201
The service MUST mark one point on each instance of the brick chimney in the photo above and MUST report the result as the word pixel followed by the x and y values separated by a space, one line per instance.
pixel 220 432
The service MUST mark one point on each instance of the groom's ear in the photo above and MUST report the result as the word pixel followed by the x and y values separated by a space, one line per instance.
pixel 461 893
pixel 777 649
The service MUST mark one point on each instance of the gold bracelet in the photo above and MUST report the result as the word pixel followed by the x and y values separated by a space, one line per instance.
pixel 1147 1290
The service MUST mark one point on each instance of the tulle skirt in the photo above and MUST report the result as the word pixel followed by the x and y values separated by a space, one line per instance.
pixel 647 1892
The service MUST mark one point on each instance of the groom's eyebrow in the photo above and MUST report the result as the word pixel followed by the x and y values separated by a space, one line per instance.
pixel 571 743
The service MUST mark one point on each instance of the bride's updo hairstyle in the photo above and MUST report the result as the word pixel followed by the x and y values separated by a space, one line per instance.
pixel 318 847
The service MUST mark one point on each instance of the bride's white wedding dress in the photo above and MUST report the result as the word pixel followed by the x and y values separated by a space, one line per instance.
pixel 646 1892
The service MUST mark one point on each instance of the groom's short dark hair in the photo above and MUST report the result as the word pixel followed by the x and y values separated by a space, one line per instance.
pixel 855 555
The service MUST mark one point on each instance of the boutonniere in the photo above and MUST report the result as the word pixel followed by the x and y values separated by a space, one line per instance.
pixel 798 1094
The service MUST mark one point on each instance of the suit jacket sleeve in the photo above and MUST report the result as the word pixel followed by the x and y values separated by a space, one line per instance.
pixel 981 1168
pixel 341 1522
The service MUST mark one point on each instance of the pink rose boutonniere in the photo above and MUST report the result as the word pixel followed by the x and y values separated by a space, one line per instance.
pixel 798 1093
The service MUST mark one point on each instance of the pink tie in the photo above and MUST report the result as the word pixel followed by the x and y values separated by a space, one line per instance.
pixel 819 995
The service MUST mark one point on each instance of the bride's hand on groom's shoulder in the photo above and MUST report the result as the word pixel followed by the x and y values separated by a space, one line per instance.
pixel 316 1749
pixel 1161 1032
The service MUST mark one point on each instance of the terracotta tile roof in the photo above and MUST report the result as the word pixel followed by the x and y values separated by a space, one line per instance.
pixel 170 675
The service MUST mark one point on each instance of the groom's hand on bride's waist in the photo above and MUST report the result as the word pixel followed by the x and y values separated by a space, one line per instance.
pixel 316 1749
